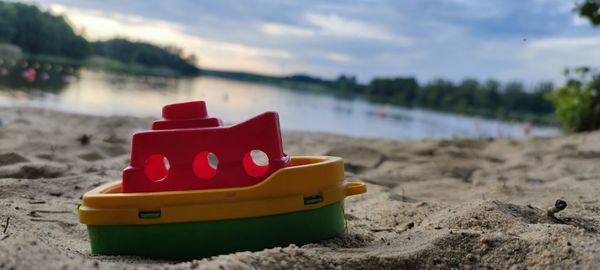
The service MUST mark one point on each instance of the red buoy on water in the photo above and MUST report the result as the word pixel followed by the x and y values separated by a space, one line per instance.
pixel 29 74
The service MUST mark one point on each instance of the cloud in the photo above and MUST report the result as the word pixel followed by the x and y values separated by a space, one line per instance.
pixel 275 29
pixel 578 21
pixel 572 43
pixel 539 59
pixel 479 9
pixel 212 53
pixel 333 25
pixel 559 52
pixel 401 59
pixel 337 57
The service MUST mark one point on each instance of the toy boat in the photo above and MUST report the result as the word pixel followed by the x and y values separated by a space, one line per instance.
pixel 175 202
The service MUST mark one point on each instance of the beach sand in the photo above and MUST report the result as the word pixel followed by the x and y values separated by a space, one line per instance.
pixel 431 204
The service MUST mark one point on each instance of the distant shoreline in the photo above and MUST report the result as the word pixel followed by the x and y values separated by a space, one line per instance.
pixel 292 82
pixel 318 85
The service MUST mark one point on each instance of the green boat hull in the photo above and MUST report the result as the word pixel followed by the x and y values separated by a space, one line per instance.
pixel 192 240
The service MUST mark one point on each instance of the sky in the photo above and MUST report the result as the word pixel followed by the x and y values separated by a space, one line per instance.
pixel 525 40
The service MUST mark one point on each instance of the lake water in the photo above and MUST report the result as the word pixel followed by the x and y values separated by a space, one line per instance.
pixel 106 94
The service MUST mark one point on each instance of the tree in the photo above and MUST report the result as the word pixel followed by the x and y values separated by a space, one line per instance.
pixel 145 54
pixel 346 85
pixel 488 95
pixel 577 103
pixel 432 94
pixel 38 32
pixel 514 97
pixel 589 9
pixel 400 91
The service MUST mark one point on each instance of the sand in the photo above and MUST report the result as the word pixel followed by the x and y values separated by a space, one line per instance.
pixel 431 204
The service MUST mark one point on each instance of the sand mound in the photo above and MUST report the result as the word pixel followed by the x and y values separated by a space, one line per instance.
pixel 431 204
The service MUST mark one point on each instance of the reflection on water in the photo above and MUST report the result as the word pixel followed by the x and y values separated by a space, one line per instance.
pixel 25 76
pixel 101 93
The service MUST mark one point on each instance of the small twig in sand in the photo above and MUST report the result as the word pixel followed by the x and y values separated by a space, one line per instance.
pixel 84 139
pixel 403 197
pixel 6 225
pixel 37 202
pixel 382 229
pixel 559 205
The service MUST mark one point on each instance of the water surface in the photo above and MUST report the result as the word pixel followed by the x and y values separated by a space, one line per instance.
pixel 99 93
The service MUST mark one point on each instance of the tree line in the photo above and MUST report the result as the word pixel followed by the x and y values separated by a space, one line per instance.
pixel 489 98
pixel 38 32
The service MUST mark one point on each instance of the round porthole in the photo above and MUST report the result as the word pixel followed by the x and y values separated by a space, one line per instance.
pixel 205 165
pixel 256 163
pixel 156 167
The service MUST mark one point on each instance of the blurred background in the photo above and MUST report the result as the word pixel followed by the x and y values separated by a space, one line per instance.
pixel 384 69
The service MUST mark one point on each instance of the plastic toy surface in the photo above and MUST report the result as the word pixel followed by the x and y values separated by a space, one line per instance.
pixel 175 201
pixel 185 138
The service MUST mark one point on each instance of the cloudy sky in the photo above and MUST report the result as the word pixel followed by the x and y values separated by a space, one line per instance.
pixel 527 40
